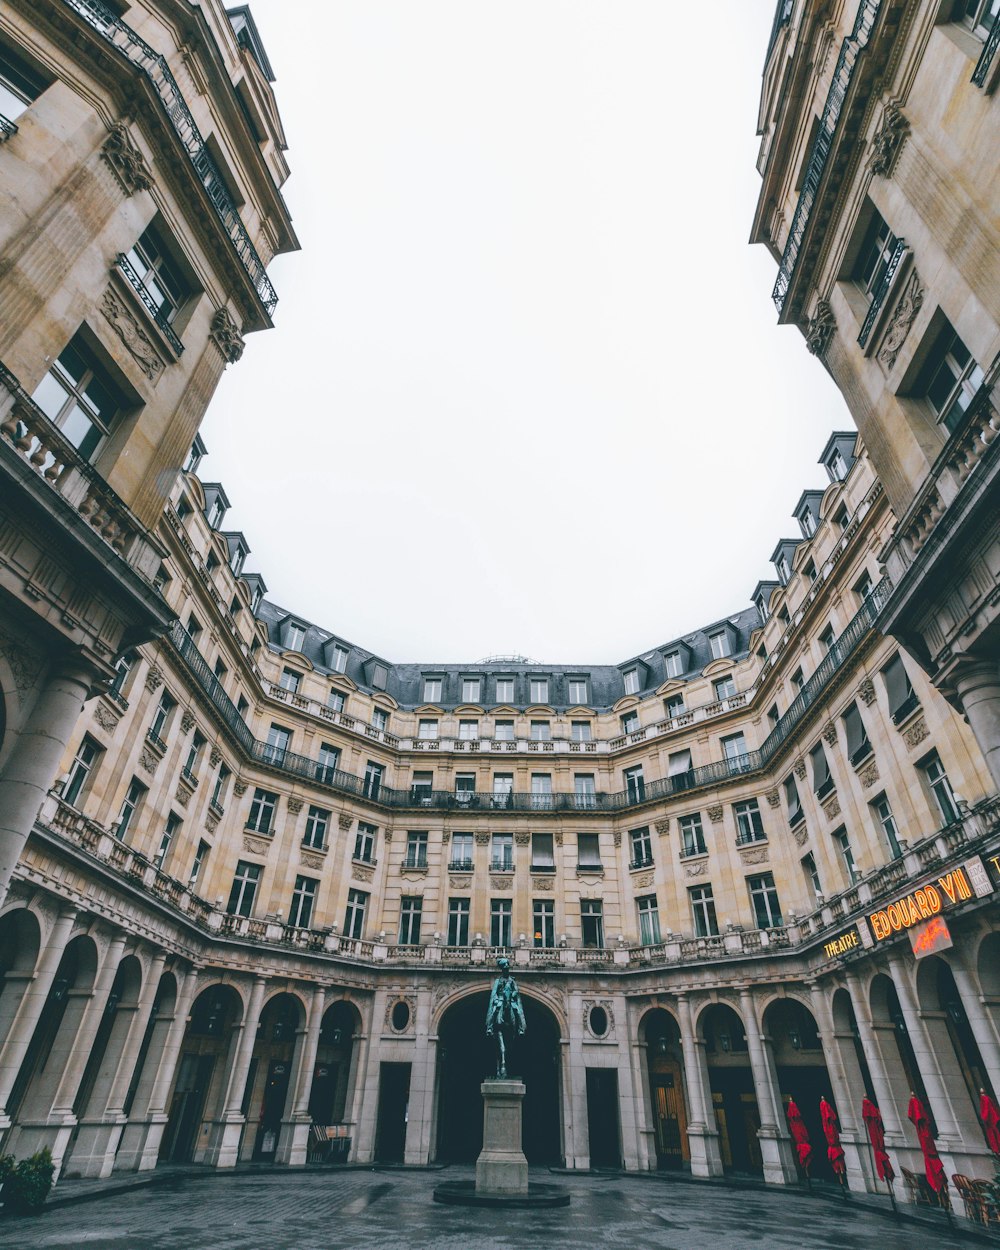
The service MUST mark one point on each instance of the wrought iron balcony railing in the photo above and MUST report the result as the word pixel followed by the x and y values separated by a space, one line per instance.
pixel 151 306
pixel 980 73
pixel 7 128
pixel 151 63
pixel 881 291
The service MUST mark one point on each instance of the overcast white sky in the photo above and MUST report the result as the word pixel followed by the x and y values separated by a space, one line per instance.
pixel 526 391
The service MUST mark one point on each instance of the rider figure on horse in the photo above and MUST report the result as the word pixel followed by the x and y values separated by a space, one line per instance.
pixel 505 1015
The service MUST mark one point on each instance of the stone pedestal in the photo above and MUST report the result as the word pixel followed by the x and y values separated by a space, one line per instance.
pixel 502 1167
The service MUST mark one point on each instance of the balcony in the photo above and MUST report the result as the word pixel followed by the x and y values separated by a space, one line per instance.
pixel 460 865
pixel 7 129
pixel 505 863
pixel 147 301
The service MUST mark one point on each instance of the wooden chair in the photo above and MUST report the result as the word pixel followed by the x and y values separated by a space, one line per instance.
pixel 988 1193
pixel 319 1142
pixel 970 1196
pixel 919 1190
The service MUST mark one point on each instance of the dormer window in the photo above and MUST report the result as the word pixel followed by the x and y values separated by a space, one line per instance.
pixel 808 523
pixel 195 455
pixel 674 663
pixel 215 514
pixel 719 644
pixel 539 690
pixel 340 659
pixel 255 597
pixel 432 689
pixel 470 689
pixel 783 570
pixel 295 636
pixel 236 563
pixel 380 675
pixel 632 681
pixel 837 466
pixel 577 690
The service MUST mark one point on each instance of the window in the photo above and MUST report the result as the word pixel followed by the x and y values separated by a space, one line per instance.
pixel 458 922
pixel 503 730
pixel 262 811
pixel 843 842
pixel 220 788
pixel 809 570
pixel 380 719
pixel 632 681
pixel 502 853
pixel 199 862
pixel 902 700
pixel 20 86
pixel 336 700
pixel 980 15
pixel 588 852
pixel 340 655
pixel 123 667
pixel 543 920
pixel 540 731
pixel 673 663
pixel 468 730
pixel 159 275
pixel 295 636
pixel 783 615
pixel 470 689
pixel 876 252
pixel 703 911
pixel 505 690
pixel 764 900
pixel 940 787
pixel 78 395
pixel 783 569
pixel 734 752
pixel 808 522
pixel 461 852
pixel 303 898
pixel 581 731
pixel 539 690
pixel 380 675
pixel 465 787
pixel 635 784
pixel 630 723
pixel 863 586
pixel 692 835
pixel 822 781
pixel 884 818
pixel 674 706
pixel 953 378
pixel 416 849
pixel 858 746
pixel 842 518
pixel 719 644
pixel 649 920
pixel 749 826
pixel 432 689
pixel 542 854
pixel 798 680
pixel 242 706
pixel 592 921
pixel 541 791
pixel 642 847
pixel 278 739
pixel 827 638
pixel 503 788
pixel 577 690
pixel 792 803
pixel 83 764
pixel 190 769
pixel 584 791
pixel 811 875
pixel 364 842
pixel 220 670
pixel 169 832
pixel 427 730
pixel 244 892
pixel 328 763
pixel 161 717
pixel 410 908
pixel 773 716
pixel 354 917
pixel 422 788
pixel 373 779
pixel 130 805
pixel 500 921
pixel 317 825
pixel 193 627
pixel 724 688
pixel 837 466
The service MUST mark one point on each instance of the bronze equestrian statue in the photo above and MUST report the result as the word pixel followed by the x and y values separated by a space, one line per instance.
pixel 504 1015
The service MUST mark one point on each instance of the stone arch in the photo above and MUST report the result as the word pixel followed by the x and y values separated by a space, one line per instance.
pixel 956 1051
pixel 543 998
pixel 335 1074
pixel 20 943
pixel 270 1090
pixel 847 1039
pixel 731 1084
pixel 898 1058
pixel 664 1079
pixel 792 1036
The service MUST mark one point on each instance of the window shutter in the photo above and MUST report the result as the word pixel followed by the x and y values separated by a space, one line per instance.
pixel 792 800
pixel 855 729
pixel 680 762
pixel 897 684
pixel 821 770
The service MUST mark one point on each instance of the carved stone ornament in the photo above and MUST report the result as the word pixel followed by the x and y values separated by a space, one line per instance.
pixel 588 1005
pixel 225 334
pixel 522 839
pixel 914 734
pixel 105 717
pixel 887 141
pixel 182 793
pixel 215 757
pixel 211 822
pixel 557 838
pixel 501 883
pixel 801 834
pixel 617 837
pixel 759 855
pixel 294 805
pixel 820 328
pixel 411 1016
pixel 903 316
pixel 772 798
pixel 24 669
pixel 154 679
pixel 696 870
pixel 187 722
pixel 799 768
pixel 345 821
pixel 362 874
pixel 869 774
pixel 662 827
pixel 867 691
pixel 714 813
pixel 137 342
pixel 256 846
pixel 239 788
pixel 541 883
pixel 125 160
pixel 830 734
pixel 310 860
pixel 482 839
pixel 831 808
pixel 644 881
pixel 148 760
pixel 460 883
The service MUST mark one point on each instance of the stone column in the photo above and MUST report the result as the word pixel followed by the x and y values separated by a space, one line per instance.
pixel 140 1145
pixel 369 1069
pixel 227 1131
pixel 293 1141
pixel 975 1009
pixel 15 1045
pixel 703 1133
pixel 853 1135
pixel 775 1143
pixel 892 1114
pixel 422 1085
pixel 34 762
pixel 978 688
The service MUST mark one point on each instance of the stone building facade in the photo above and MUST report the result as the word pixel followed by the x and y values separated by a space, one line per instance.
pixel 264 886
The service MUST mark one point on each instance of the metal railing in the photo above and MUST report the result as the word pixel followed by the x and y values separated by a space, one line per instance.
pixel 151 306
pixel 881 291
pixel 988 53
pixel 135 49
pixel 7 128
pixel 850 50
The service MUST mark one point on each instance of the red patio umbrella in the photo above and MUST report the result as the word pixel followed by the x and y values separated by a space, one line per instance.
pixel 800 1135
pixel 834 1150
pixel 876 1135
pixel 934 1168
pixel 989 1113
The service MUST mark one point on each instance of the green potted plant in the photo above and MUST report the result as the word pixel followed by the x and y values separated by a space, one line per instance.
pixel 28 1182
pixel 7 1163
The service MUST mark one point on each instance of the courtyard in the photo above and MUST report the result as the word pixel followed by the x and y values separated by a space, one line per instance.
pixel 354 1209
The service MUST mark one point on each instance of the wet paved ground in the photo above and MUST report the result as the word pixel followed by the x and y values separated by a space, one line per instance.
pixel 358 1210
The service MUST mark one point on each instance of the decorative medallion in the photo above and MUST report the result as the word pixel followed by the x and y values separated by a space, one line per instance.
pixel 105 717
pixel 187 721
pixel 522 839
pixel 482 839
pixel 759 854
pixel 311 860
pixel 696 870
pixel 362 874
pixel 239 787
pixel 148 760
pixel 598 1017
pixel 154 679
pixel 869 774
pixel 215 757
pixel 867 691
pixel 887 141
pixel 801 834
pixel 400 1013
pixel 137 342
pixel 541 883
pixel 662 827
pixel 830 734
pixel 903 316
pixel 644 881
pixel 714 813
pixel 256 846
pixel 501 883
pixel 772 798
pixel 820 328
pixel 831 808
pixel 294 805
pixel 799 768
pixel 460 883
pixel 344 821
pixel 225 334
pixel 916 733
pixel 211 821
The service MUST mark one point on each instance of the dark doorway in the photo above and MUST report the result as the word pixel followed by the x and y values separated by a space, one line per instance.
pixel 467 1057
pixel 393 1100
pixel 193 1079
pixel 272 1108
pixel 602 1118
pixel 324 1087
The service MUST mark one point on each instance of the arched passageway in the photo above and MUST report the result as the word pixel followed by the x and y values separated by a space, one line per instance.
pixel 734 1098
pixel 334 1072
pixel 956 1051
pixel 668 1097
pixel 802 1073
pixel 466 1057
pixel 268 1093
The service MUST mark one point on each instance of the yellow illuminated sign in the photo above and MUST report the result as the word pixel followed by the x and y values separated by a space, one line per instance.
pixel 923 904
pixel 841 945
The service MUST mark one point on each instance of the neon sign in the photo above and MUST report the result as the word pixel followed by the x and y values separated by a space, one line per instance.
pixel 923 904
pixel 929 938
